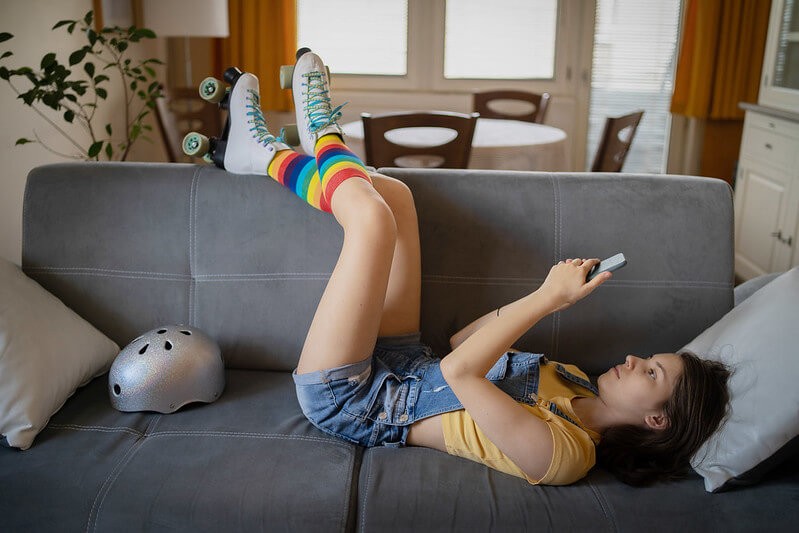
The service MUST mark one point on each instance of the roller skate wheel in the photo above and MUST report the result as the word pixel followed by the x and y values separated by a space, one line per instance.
pixel 196 144
pixel 286 73
pixel 207 158
pixel 290 134
pixel 212 90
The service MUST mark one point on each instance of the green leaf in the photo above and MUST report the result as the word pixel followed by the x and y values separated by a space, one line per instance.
pixel 6 54
pixel 150 71
pixel 148 128
pixel 135 131
pixel 28 97
pixel 77 56
pixel 153 86
pixel 147 34
pixel 133 85
pixel 100 78
pixel 109 151
pixel 69 115
pixel 156 61
pixel 61 23
pixel 71 97
pixel 4 74
pixel 92 36
pixel 102 93
pixel 72 27
pixel 94 149
pixel 108 128
pixel 88 18
pixel 23 140
pixel 122 46
pixel 89 68
pixel 47 60
pixel 5 36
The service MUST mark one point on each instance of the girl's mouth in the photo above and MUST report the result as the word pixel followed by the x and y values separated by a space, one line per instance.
pixel 616 370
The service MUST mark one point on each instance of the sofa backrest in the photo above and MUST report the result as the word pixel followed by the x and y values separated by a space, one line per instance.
pixel 132 246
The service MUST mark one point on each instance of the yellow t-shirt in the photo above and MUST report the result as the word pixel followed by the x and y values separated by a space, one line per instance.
pixel 574 447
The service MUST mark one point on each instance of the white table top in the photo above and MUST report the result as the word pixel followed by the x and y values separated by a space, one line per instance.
pixel 489 133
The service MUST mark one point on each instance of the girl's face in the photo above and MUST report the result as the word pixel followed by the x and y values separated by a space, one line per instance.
pixel 636 390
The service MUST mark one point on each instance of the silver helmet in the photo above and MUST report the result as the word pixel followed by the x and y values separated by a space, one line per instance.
pixel 165 369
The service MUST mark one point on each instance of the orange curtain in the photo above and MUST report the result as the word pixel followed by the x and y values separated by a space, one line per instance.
pixel 721 57
pixel 719 66
pixel 263 36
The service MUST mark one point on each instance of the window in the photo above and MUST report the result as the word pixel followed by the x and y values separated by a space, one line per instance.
pixel 377 30
pixel 501 39
pixel 635 52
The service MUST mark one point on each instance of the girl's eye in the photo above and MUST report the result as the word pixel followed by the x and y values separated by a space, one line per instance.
pixel 652 373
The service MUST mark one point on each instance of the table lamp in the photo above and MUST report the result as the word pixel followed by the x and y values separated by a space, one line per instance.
pixel 186 18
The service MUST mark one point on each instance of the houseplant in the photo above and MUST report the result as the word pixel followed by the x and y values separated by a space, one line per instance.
pixel 77 93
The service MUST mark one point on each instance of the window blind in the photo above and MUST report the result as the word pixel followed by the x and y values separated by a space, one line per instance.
pixel 635 54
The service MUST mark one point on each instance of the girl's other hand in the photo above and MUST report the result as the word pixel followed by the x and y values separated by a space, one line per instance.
pixel 566 283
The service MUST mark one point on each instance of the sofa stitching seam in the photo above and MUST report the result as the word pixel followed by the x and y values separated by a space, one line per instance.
pixel 603 504
pixel 106 486
pixel 366 491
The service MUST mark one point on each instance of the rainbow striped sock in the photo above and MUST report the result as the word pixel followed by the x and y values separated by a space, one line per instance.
pixel 336 163
pixel 298 172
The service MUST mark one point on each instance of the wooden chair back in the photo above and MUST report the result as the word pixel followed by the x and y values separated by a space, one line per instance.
pixel 481 99
pixel 180 111
pixel 380 152
pixel 615 142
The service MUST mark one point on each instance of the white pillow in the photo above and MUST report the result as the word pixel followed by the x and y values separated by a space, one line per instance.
pixel 759 339
pixel 47 351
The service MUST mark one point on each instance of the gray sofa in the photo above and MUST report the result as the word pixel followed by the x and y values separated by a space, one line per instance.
pixel 134 246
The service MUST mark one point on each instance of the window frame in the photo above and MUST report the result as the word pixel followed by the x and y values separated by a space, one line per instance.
pixel 425 70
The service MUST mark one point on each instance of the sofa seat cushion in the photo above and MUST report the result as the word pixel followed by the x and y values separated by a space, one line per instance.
pixel 419 489
pixel 247 462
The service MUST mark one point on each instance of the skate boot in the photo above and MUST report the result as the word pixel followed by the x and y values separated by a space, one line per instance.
pixel 246 146
pixel 309 81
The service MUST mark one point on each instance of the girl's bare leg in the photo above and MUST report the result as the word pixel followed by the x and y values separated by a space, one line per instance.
pixel 401 310
pixel 347 320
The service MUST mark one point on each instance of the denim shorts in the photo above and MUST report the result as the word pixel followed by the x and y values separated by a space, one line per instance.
pixel 375 401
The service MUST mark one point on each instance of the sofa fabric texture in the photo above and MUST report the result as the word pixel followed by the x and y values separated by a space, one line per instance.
pixel 131 246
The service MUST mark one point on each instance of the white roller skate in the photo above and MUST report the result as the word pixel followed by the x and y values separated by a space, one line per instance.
pixel 246 146
pixel 309 81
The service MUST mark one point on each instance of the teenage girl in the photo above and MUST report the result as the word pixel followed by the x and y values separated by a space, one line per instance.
pixel 365 377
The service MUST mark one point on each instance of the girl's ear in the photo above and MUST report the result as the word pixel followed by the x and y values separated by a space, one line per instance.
pixel 657 421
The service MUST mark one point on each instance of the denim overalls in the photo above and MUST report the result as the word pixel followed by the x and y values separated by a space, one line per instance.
pixel 375 401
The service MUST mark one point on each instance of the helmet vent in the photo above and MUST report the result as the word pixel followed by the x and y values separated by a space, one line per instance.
pixel 144 349
pixel 117 390
pixel 168 345
pixel 161 331
pixel 185 332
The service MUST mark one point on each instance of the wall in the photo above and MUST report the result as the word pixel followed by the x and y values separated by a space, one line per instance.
pixel 30 22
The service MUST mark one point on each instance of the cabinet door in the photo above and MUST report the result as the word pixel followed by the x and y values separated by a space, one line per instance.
pixel 791 231
pixel 761 200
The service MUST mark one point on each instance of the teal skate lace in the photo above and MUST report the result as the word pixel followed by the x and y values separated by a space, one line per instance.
pixel 317 103
pixel 259 129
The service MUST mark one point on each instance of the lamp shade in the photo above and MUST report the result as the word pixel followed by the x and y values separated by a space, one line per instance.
pixel 186 18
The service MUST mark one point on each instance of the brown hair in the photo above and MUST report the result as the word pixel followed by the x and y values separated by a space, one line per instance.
pixel 640 456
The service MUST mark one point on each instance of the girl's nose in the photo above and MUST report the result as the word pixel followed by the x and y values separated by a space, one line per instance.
pixel 629 361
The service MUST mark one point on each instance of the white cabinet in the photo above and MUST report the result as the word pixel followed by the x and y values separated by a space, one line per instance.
pixel 767 183
pixel 767 196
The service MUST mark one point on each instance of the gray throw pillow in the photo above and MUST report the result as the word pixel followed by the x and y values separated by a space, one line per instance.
pixel 47 351
pixel 759 340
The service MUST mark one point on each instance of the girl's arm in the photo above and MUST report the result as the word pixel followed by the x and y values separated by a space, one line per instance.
pixel 518 433
pixel 564 285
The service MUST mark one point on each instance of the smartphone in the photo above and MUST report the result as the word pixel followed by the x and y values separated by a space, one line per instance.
pixel 607 265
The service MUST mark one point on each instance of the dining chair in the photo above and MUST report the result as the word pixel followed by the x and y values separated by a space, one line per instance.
pixel 381 152
pixel 615 142
pixel 180 111
pixel 481 99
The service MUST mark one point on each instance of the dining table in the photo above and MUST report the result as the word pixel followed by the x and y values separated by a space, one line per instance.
pixel 498 144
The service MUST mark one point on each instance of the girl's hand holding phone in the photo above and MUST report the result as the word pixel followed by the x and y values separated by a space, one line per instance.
pixel 566 283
